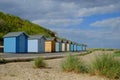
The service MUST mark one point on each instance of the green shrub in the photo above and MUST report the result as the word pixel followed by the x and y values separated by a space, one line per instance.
pixel 106 65
pixel 72 63
pixel 39 62
pixel 109 49
pixel 2 61
pixel 102 49
pixel 117 53
pixel 89 51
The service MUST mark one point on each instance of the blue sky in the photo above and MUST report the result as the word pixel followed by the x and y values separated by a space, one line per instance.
pixel 93 22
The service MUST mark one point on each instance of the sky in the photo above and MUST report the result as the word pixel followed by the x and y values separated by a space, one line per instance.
pixel 92 22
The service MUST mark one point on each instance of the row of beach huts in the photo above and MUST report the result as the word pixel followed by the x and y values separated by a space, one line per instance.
pixel 20 42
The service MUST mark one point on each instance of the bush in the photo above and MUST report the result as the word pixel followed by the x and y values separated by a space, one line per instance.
pixel 89 51
pixel 117 53
pixel 106 65
pixel 72 63
pixel 2 61
pixel 39 62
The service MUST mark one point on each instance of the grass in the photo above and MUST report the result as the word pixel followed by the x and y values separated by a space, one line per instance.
pixel 106 65
pixel 73 64
pixel 87 52
pixel 39 62
pixel 101 49
pixel 117 53
pixel 2 61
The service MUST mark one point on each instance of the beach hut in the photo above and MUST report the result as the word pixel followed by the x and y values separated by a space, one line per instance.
pixel 70 42
pixel 15 42
pixel 64 45
pixel 50 44
pixel 72 46
pixel 75 46
pixel 58 45
pixel 79 47
pixel 84 47
pixel 36 43
pixel 68 45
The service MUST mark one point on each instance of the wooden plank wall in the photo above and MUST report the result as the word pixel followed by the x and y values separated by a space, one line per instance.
pixel 53 46
pixel 48 46
pixel 1 46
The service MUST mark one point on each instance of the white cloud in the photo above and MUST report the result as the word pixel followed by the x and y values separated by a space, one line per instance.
pixel 98 10
pixel 110 23
pixel 88 34
pixel 93 38
pixel 58 22
pixel 49 9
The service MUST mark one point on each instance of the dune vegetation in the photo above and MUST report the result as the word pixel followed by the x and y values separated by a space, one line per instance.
pixel 11 23
pixel 104 64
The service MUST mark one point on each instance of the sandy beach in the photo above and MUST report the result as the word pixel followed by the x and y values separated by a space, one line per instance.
pixel 25 70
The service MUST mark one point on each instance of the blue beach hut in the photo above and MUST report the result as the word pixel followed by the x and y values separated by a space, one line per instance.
pixel 15 42
pixel 75 46
pixel 58 46
pixel 79 47
pixel 36 43
pixel 72 47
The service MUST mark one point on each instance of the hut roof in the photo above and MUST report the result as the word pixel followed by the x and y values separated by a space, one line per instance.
pixel 84 45
pixel 64 41
pixel 14 34
pixel 58 40
pixel 69 41
pixel 76 43
pixel 51 39
pixel 73 42
pixel 36 37
pixel 80 44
